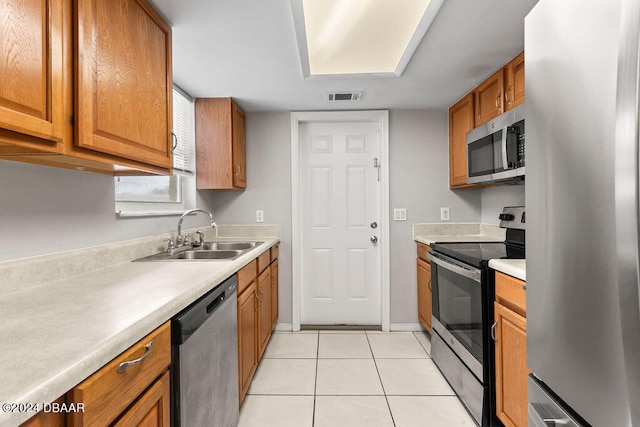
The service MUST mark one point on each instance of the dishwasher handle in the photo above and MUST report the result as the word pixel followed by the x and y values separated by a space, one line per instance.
pixel 187 322
pixel 215 304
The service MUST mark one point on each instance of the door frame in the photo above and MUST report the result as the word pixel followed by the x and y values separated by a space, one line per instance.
pixel 380 117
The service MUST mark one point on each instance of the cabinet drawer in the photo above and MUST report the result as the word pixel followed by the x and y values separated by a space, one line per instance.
pixel 108 392
pixel 274 252
pixel 246 275
pixel 422 251
pixel 263 261
pixel 511 292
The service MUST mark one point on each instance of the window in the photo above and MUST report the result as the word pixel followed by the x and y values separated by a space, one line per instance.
pixel 165 195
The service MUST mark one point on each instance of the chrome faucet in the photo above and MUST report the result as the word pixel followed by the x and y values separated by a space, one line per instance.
pixel 179 236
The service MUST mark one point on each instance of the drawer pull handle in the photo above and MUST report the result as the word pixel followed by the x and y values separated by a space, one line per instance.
pixel 493 330
pixel 524 287
pixel 147 352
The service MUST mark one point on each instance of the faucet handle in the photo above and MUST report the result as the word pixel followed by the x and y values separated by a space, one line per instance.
pixel 170 244
pixel 199 242
pixel 187 239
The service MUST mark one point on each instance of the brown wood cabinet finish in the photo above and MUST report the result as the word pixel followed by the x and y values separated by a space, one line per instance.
pixel 152 409
pixel 47 419
pixel 461 121
pixel 109 391
pixel 264 310
pixel 247 337
pixel 511 367
pixel 511 350
pixel 514 76
pixel 489 98
pixel 424 293
pixel 123 84
pixel 274 292
pixel 118 114
pixel 32 68
pixel 220 145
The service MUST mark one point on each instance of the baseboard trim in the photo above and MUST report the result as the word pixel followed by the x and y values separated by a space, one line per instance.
pixel 406 327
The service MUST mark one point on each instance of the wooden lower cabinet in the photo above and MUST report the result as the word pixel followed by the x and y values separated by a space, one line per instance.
pixel 424 293
pixel 264 310
pixel 138 379
pixel 424 286
pixel 257 313
pixel 247 337
pixel 511 352
pixel 152 408
pixel 274 293
pixel 47 419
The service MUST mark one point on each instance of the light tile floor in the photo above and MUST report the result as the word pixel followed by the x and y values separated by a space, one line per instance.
pixel 351 379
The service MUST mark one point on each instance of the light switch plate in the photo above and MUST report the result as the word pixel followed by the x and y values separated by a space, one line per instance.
pixel 259 216
pixel 400 214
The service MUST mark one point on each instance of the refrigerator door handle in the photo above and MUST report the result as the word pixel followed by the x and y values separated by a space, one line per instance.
pixel 539 417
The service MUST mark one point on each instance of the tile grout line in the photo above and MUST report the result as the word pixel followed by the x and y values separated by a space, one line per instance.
pixel 386 399
pixel 315 385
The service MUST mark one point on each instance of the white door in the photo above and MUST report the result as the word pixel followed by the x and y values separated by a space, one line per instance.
pixel 339 217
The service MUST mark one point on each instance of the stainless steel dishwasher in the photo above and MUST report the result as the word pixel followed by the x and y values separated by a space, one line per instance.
pixel 204 372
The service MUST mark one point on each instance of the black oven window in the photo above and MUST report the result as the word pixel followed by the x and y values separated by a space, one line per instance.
pixel 460 309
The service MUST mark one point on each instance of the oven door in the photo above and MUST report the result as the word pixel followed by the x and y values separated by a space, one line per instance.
pixel 458 309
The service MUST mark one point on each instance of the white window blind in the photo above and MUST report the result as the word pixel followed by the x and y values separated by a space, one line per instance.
pixel 184 133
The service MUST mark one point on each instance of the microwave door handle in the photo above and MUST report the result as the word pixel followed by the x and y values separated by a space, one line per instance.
pixel 469 274
pixel 505 164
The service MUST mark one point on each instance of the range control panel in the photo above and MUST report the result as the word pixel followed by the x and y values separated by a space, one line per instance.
pixel 512 217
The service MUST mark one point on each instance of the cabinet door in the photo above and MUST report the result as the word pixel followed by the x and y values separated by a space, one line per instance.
pixel 514 92
pixel 239 147
pixel 511 366
pixel 151 409
pixel 424 294
pixel 488 97
pixel 274 294
pixel 264 311
pixel 31 65
pixel 123 80
pixel 47 419
pixel 460 122
pixel 247 337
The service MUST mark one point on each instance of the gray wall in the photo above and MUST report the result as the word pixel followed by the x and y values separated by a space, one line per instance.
pixel 45 210
pixel 494 199
pixel 418 151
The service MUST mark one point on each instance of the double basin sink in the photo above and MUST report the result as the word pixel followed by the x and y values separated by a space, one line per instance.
pixel 208 251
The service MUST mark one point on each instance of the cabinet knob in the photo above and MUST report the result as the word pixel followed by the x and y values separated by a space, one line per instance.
pixel 237 169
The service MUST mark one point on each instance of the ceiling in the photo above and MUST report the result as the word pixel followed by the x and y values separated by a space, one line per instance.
pixel 247 49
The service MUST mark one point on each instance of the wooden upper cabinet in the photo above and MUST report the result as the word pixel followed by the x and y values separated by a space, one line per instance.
pixel 239 151
pixel 123 81
pixel 461 121
pixel 220 145
pixel 32 66
pixel 88 85
pixel 514 86
pixel 489 98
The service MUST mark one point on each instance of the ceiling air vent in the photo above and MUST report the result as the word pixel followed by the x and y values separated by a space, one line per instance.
pixel 344 96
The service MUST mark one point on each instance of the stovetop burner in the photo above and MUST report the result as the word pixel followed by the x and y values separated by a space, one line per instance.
pixel 478 254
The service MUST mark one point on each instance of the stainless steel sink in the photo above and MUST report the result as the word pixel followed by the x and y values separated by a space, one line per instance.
pixel 202 254
pixel 208 251
pixel 229 245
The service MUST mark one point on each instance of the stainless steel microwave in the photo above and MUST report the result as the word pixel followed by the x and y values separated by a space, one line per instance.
pixel 495 150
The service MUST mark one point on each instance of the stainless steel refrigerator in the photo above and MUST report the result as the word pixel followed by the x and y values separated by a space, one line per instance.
pixel 583 311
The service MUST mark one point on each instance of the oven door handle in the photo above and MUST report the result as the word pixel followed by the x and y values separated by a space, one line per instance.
pixel 466 272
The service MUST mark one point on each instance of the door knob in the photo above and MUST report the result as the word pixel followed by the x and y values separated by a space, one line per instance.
pixel 374 239
pixel 374 225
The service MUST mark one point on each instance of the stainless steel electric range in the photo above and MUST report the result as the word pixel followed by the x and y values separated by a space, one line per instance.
pixel 463 293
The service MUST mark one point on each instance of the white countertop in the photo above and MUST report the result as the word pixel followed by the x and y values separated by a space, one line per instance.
pixel 457 232
pixel 56 334
pixel 513 267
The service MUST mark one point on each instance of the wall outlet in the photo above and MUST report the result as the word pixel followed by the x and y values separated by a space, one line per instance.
pixel 444 214
pixel 259 216
pixel 400 214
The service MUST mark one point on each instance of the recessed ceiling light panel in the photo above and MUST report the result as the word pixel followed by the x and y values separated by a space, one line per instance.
pixel 361 36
